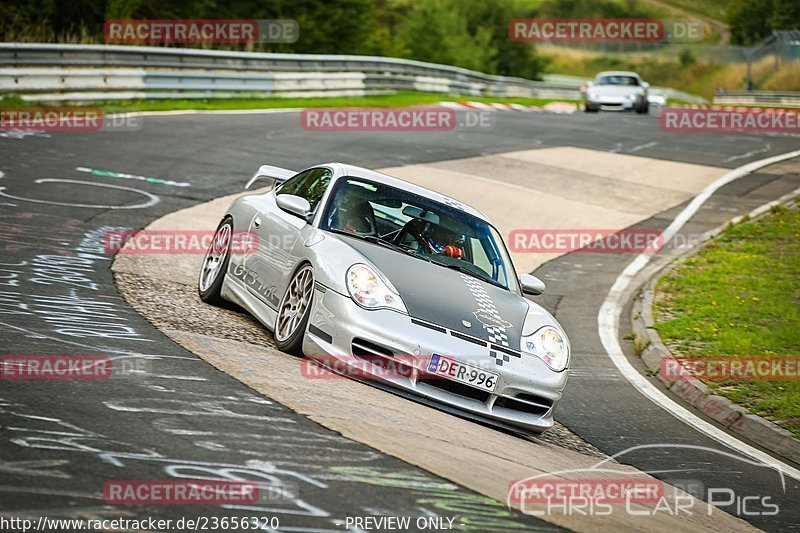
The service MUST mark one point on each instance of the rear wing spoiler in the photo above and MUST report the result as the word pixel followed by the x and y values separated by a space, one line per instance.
pixel 267 172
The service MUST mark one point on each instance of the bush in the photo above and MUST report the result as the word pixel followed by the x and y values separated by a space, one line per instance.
pixel 686 57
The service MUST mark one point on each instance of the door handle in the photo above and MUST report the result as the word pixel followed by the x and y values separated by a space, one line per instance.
pixel 257 222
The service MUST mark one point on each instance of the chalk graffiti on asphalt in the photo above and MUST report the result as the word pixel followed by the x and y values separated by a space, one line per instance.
pixel 152 199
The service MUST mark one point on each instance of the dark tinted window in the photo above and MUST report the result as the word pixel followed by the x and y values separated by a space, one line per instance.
pixel 616 80
pixel 310 184
pixel 425 228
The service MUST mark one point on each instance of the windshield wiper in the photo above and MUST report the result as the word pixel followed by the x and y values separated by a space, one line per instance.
pixel 473 274
pixel 381 242
pixel 388 244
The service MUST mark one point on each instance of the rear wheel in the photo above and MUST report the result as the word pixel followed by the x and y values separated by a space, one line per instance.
pixel 215 264
pixel 294 310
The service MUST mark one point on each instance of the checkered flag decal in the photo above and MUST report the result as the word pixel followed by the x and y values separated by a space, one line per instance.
pixel 499 357
pixel 497 334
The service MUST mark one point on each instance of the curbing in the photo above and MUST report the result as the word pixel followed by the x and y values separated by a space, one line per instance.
pixel 654 354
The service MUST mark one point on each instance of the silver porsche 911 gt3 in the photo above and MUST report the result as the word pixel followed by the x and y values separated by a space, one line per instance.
pixel 370 272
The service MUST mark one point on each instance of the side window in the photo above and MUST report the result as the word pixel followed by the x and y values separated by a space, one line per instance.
pixel 310 185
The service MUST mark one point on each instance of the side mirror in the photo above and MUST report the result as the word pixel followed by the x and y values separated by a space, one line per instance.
pixel 293 204
pixel 531 285
pixel 645 85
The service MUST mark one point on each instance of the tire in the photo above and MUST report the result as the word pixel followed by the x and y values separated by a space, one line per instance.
pixel 294 310
pixel 643 110
pixel 215 264
pixel 589 109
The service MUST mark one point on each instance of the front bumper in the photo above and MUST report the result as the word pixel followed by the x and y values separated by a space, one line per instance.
pixel 527 389
pixel 608 103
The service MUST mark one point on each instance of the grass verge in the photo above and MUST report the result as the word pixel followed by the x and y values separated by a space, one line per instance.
pixel 740 297
pixel 389 100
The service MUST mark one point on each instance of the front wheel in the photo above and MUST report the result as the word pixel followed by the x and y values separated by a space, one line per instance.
pixel 215 264
pixel 294 310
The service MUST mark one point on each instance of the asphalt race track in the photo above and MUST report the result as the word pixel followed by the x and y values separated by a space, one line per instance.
pixel 61 441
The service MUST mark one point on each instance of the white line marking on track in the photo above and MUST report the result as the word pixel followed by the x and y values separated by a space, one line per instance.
pixel 608 324
pixel 748 154
pixel 181 378
pixel 642 147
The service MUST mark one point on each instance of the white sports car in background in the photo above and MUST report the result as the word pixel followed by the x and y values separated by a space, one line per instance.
pixel 369 271
pixel 616 91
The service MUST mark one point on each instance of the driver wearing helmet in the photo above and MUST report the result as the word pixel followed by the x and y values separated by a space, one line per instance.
pixel 434 239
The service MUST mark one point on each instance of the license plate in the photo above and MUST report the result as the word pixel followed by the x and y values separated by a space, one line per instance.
pixel 462 372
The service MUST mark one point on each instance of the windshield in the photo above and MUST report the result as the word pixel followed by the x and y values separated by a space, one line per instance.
pixel 617 80
pixel 421 227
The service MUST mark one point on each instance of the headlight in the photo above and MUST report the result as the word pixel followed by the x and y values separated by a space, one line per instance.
pixel 592 96
pixel 632 97
pixel 369 290
pixel 548 345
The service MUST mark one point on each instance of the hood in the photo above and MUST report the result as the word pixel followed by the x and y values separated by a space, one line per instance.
pixel 447 297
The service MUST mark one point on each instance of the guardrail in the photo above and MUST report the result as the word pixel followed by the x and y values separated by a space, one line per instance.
pixel 768 98
pixel 62 72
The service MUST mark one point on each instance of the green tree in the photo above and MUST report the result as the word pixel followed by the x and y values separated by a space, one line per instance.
pixel 785 15
pixel 511 58
pixel 753 20
pixel 748 21
pixel 592 8
pixel 467 33
pixel 121 9
pixel 437 31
